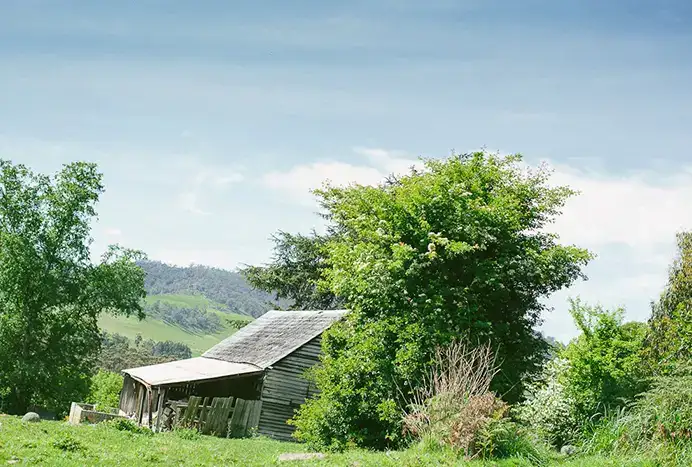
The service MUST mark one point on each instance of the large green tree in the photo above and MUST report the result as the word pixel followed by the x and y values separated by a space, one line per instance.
pixel 51 293
pixel 457 250
pixel 670 337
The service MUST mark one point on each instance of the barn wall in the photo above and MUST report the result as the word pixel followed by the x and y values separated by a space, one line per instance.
pixel 285 389
pixel 128 395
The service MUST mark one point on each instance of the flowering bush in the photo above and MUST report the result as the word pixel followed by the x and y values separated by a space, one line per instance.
pixel 548 407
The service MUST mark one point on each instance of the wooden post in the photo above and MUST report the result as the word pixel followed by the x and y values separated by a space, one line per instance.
pixel 151 407
pixel 162 401
pixel 140 392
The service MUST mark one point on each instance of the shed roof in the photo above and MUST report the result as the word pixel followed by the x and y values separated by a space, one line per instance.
pixel 273 336
pixel 189 370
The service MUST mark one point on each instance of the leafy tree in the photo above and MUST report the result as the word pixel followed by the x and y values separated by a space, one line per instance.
pixel 51 293
pixel 105 389
pixel 605 361
pixel 457 250
pixel 670 337
pixel 297 266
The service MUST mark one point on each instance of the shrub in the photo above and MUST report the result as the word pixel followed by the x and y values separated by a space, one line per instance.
pixel 605 362
pixel 68 444
pixel 658 425
pixel 105 389
pixel 189 434
pixel 504 438
pixel 454 405
pixel 122 424
pixel 667 407
pixel 547 407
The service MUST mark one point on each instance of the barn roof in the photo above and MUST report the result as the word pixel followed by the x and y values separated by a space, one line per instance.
pixel 189 370
pixel 273 336
pixel 258 345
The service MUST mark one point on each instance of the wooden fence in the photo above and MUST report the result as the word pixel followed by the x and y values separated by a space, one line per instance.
pixel 213 418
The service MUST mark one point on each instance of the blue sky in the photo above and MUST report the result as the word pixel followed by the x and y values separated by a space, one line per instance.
pixel 212 119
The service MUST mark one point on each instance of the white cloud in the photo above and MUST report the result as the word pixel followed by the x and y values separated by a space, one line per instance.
pixel 642 211
pixel 300 180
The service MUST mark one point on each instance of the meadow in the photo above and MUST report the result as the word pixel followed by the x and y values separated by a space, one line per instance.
pixel 59 444
pixel 159 330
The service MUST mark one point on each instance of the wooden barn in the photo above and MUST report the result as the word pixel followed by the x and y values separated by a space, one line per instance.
pixel 264 361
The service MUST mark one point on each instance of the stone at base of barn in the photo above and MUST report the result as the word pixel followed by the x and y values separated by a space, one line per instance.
pixel 31 417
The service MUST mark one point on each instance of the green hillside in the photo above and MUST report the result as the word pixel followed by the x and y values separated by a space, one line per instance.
pixel 223 287
pixel 197 306
pixel 158 330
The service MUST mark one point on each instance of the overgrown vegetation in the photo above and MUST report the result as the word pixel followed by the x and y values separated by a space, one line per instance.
pixel 105 389
pixel 457 249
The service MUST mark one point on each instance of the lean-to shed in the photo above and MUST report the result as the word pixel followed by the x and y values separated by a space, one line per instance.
pixel 266 360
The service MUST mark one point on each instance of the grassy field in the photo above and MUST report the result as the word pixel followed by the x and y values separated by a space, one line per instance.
pixel 59 444
pixel 161 331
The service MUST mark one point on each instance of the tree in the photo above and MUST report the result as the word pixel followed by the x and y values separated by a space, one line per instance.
pixel 670 336
pixel 51 293
pixel 297 266
pixel 605 361
pixel 457 250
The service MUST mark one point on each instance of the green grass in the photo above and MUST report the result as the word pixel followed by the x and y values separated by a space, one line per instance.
pixel 59 444
pixel 161 331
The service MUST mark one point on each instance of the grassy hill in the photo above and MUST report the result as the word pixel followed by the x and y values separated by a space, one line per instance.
pixel 198 306
pixel 222 287
pixel 159 330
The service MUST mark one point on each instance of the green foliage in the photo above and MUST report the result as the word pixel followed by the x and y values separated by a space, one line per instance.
pixel 548 408
pixel 657 426
pixel 51 293
pixel 605 362
pixel 297 266
pixel 129 426
pixel 670 337
pixel 69 444
pixel 105 389
pixel 225 287
pixel 503 438
pixel 456 250
pixel 667 406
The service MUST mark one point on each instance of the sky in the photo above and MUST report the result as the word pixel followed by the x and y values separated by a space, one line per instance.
pixel 211 120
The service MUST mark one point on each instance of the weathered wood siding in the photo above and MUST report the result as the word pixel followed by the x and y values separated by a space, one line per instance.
pixel 285 389
pixel 128 395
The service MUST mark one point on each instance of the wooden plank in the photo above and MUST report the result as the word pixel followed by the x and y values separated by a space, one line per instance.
pixel 236 420
pixel 162 399
pixel 151 407
pixel 254 418
pixel 203 414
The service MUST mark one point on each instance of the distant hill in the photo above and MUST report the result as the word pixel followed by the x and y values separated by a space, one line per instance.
pixel 197 305
pixel 224 287
pixel 161 328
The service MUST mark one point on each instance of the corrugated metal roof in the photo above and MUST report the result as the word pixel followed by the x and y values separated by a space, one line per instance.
pixel 273 336
pixel 189 370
